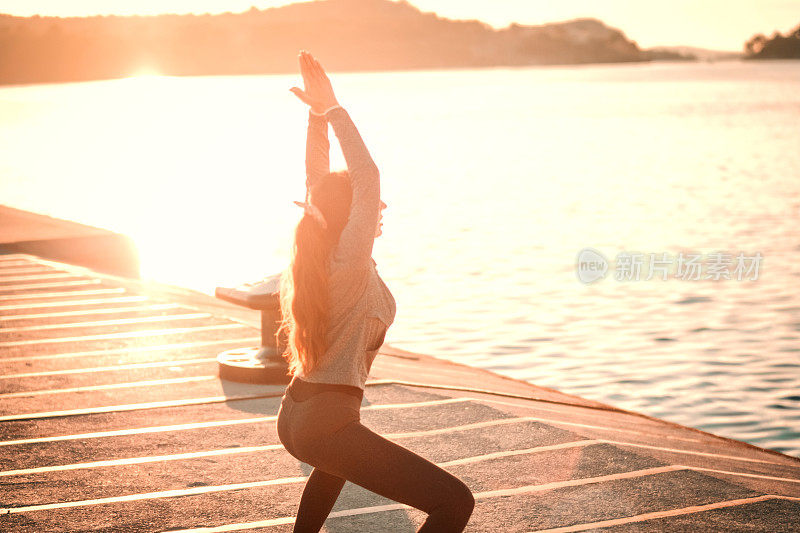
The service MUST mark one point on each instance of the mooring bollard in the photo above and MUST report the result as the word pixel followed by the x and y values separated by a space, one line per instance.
pixel 256 365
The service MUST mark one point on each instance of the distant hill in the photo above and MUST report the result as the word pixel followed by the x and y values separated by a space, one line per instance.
pixel 344 34
pixel 689 53
pixel 668 53
pixel 778 47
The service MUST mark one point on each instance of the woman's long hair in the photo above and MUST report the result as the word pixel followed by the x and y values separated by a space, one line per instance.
pixel 304 284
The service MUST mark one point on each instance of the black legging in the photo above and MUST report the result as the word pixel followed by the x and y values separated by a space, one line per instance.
pixel 322 427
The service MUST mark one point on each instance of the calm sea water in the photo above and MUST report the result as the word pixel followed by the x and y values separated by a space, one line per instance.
pixel 495 180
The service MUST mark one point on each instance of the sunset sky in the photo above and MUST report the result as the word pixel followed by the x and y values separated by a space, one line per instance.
pixel 715 24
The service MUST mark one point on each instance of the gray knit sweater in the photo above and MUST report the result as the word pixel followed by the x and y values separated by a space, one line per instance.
pixel 361 306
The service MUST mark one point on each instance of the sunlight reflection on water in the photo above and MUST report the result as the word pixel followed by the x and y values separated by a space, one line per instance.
pixel 495 179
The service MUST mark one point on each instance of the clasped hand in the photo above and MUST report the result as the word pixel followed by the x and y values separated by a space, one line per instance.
pixel 318 91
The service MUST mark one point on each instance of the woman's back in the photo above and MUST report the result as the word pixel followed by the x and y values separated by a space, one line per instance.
pixel 359 302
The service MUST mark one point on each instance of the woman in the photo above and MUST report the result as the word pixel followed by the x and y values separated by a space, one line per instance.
pixel 336 311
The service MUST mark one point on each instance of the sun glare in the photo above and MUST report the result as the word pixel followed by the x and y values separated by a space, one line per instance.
pixel 145 73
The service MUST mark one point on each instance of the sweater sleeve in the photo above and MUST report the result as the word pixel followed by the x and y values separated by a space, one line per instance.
pixel 317 149
pixel 358 236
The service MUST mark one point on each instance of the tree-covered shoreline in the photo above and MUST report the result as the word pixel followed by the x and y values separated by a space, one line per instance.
pixel 350 35
pixel 777 47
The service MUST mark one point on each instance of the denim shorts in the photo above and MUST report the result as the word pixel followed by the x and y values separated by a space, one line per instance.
pixel 322 427
pixel 304 426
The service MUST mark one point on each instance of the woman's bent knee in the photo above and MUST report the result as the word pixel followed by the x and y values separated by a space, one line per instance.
pixel 456 505
pixel 459 491
pixel 464 501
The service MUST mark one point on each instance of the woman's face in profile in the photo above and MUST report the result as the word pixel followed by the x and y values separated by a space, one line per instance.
pixel 378 230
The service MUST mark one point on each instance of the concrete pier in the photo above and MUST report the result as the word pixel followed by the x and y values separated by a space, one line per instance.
pixel 113 419
pixel 64 240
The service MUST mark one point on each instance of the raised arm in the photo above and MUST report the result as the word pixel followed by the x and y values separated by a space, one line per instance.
pixel 318 94
pixel 358 235
pixel 317 149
